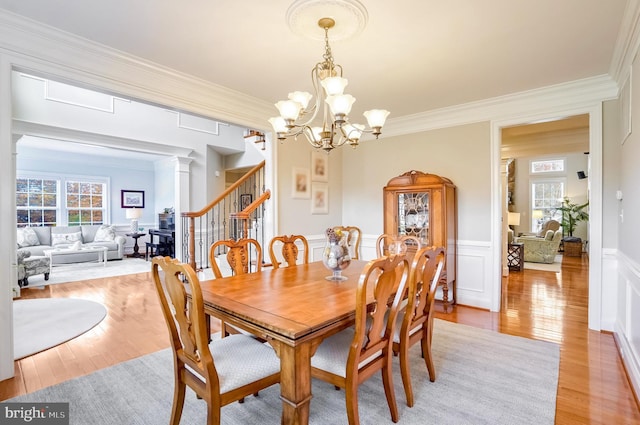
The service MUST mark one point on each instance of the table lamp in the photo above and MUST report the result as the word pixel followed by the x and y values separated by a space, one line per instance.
pixel 537 215
pixel 134 214
pixel 513 219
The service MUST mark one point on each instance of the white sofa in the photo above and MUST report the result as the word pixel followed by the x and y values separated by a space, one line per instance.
pixel 48 237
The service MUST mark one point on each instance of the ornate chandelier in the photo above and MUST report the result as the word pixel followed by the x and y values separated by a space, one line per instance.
pixel 296 115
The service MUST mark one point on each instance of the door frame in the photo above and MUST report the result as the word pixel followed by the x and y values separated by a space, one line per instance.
pixel 594 109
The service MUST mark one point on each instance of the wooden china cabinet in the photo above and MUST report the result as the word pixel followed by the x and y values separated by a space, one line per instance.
pixel 424 205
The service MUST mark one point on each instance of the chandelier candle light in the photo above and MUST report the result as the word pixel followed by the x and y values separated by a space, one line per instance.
pixel 296 115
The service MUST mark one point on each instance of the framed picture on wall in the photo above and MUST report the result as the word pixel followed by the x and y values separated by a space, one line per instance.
pixel 301 183
pixel 132 198
pixel 245 200
pixel 319 167
pixel 320 198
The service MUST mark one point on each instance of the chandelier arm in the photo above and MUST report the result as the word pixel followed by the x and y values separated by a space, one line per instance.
pixel 308 133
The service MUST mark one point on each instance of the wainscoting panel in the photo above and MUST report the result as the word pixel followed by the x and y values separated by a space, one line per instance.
pixel 627 324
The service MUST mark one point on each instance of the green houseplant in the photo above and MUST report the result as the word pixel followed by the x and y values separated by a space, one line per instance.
pixel 572 214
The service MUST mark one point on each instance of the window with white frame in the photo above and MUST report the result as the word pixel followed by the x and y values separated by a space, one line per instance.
pixel 546 198
pixel 556 165
pixel 61 200
pixel 84 202
pixel 36 202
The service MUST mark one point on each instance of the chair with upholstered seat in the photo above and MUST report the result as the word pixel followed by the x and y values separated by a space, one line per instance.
pixel 385 242
pixel 541 250
pixel 218 372
pixel 243 256
pixel 351 356
pixel 415 322
pixel 288 249
pixel 29 265
pixel 354 236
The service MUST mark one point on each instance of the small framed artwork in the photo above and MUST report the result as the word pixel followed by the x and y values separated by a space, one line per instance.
pixel 132 198
pixel 320 198
pixel 301 183
pixel 319 167
pixel 245 200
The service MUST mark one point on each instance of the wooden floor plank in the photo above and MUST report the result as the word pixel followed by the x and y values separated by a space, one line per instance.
pixel 593 387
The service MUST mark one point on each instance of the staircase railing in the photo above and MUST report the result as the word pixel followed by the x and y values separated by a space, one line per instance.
pixel 236 213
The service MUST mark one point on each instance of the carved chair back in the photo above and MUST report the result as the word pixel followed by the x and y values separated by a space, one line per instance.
pixel 289 250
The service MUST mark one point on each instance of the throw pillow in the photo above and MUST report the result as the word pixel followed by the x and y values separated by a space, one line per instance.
pixel 65 238
pixel 105 233
pixel 27 237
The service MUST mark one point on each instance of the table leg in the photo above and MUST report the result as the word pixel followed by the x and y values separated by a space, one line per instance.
pixel 295 383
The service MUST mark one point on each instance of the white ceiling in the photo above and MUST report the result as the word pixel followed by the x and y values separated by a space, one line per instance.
pixel 413 56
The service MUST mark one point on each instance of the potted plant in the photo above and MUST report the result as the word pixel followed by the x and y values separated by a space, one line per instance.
pixel 572 214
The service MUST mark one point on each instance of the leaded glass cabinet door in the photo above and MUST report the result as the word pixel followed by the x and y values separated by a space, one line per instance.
pixel 413 215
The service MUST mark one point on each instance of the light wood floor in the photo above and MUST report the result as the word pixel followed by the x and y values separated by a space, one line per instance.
pixel 592 388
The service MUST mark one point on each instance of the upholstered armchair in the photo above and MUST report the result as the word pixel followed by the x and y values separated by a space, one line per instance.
pixel 31 266
pixel 547 225
pixel 541 250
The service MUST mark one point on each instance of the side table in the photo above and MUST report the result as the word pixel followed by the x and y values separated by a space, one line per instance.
pixel 136 248
pixel 515 256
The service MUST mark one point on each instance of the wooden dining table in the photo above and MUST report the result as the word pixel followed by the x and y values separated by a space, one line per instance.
pixel 294 309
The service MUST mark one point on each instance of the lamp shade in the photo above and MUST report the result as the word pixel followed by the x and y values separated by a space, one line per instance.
pixel 134 213
pixel 340 104
pixel 376 117
pixel 289 109
pixel 334 85
pixel 279 125
pixel 514 219
pixel 302 97
pixel 537 214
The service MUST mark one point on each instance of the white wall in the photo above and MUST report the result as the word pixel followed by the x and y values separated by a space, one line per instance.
pixel 624 282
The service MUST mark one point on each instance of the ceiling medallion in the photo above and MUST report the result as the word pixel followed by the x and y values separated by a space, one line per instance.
pixel 350 18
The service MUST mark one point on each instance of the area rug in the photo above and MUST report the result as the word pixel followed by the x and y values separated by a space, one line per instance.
pixel 43 323
pixel 483 377
pixel 83 271
pixel 553 267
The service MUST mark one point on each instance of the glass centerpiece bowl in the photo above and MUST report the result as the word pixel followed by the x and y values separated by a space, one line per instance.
pixel 336 255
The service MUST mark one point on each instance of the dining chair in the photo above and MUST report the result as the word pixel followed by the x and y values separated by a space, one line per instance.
pixel 243 255
pixel 351 356
pixel 354 236
pixel 217 372
pixel 288 250
pixel 415 322
pixel 239 254
pixel 385 240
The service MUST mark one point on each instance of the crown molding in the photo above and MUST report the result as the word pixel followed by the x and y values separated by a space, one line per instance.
pixel 65 55
pixel 107 69
pixel 564 96
pixel 627 43
pixel 88 138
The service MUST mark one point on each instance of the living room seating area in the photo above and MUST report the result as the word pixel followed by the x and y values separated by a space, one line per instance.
pixel 541 250
pixel 36 240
